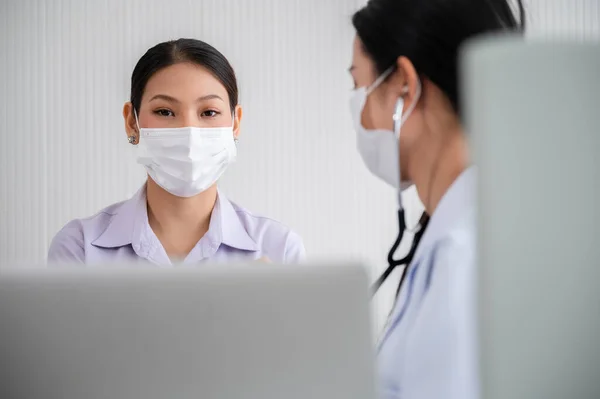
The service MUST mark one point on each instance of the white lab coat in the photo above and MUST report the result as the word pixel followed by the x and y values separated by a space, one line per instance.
pixel 428 348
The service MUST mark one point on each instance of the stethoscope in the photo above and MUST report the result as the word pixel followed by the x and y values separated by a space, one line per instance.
pixel 419 229
pixel 406 260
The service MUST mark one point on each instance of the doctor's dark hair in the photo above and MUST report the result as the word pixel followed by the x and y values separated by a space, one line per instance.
pixel 429 33
pixel 182 50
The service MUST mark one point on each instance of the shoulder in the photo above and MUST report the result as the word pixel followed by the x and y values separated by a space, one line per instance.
pixel 272 235
pixel 453 256
pixel 70 242
pixel 459 243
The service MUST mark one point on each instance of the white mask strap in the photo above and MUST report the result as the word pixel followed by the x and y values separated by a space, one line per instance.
pixel 235 139
pixel 380 79
pixel 137 122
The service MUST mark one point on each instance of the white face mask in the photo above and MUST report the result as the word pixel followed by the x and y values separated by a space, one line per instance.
pixel 379 147
pixel 188 160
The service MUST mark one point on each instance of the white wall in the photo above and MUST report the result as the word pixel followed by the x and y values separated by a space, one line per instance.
pixel 64 76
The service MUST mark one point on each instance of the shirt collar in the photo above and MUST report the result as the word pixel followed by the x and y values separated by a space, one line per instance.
pixel 129 225
pixel 226 222
pixel 127 219
pixel 454 206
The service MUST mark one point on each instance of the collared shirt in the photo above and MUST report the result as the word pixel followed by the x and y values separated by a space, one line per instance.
pixel 121 233
pixel 428 348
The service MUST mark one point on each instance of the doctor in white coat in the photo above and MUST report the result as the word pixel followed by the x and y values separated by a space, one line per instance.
pixel 406 112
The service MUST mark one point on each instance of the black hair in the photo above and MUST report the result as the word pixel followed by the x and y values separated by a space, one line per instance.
pixel 429 33
pixel 182 50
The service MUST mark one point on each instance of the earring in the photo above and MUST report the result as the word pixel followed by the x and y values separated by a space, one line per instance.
pixel 235 140
pixel 131 139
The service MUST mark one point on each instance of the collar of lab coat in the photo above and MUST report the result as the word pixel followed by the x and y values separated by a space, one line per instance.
pixel 454 206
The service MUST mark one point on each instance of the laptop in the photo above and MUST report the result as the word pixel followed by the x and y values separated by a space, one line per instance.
pixel 226 332
pixel 533 111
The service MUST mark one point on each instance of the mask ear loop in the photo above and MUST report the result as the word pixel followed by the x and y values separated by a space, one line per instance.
pixel 380 79
pixel 235 139
pixel 132 138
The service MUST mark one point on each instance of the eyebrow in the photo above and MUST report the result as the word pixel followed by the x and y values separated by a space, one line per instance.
pixel 352 68
pixel 174 100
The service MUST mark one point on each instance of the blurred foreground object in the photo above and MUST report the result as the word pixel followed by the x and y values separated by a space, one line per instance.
pixel 533 109
pixel 252 332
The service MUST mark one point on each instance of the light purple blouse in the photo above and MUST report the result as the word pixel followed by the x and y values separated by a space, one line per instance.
pixel 120 233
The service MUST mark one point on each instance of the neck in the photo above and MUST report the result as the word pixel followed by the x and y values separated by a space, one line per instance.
pixel 179 223
pixel 435 171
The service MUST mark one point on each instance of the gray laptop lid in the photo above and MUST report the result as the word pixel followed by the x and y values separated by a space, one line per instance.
pixel 223 332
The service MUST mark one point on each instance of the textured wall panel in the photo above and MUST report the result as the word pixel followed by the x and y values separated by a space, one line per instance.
pixel 23 139
pixel 564 19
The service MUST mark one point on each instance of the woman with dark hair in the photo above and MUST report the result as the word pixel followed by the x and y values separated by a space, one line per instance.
pixel 184 117
pixel 406 110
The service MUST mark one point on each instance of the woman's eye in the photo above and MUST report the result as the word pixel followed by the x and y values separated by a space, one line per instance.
pixel 210 113
pixel 164 112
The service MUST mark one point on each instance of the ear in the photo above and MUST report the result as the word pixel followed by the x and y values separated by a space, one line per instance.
pixel 237 120
pixel 131 128
pixel 408 80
